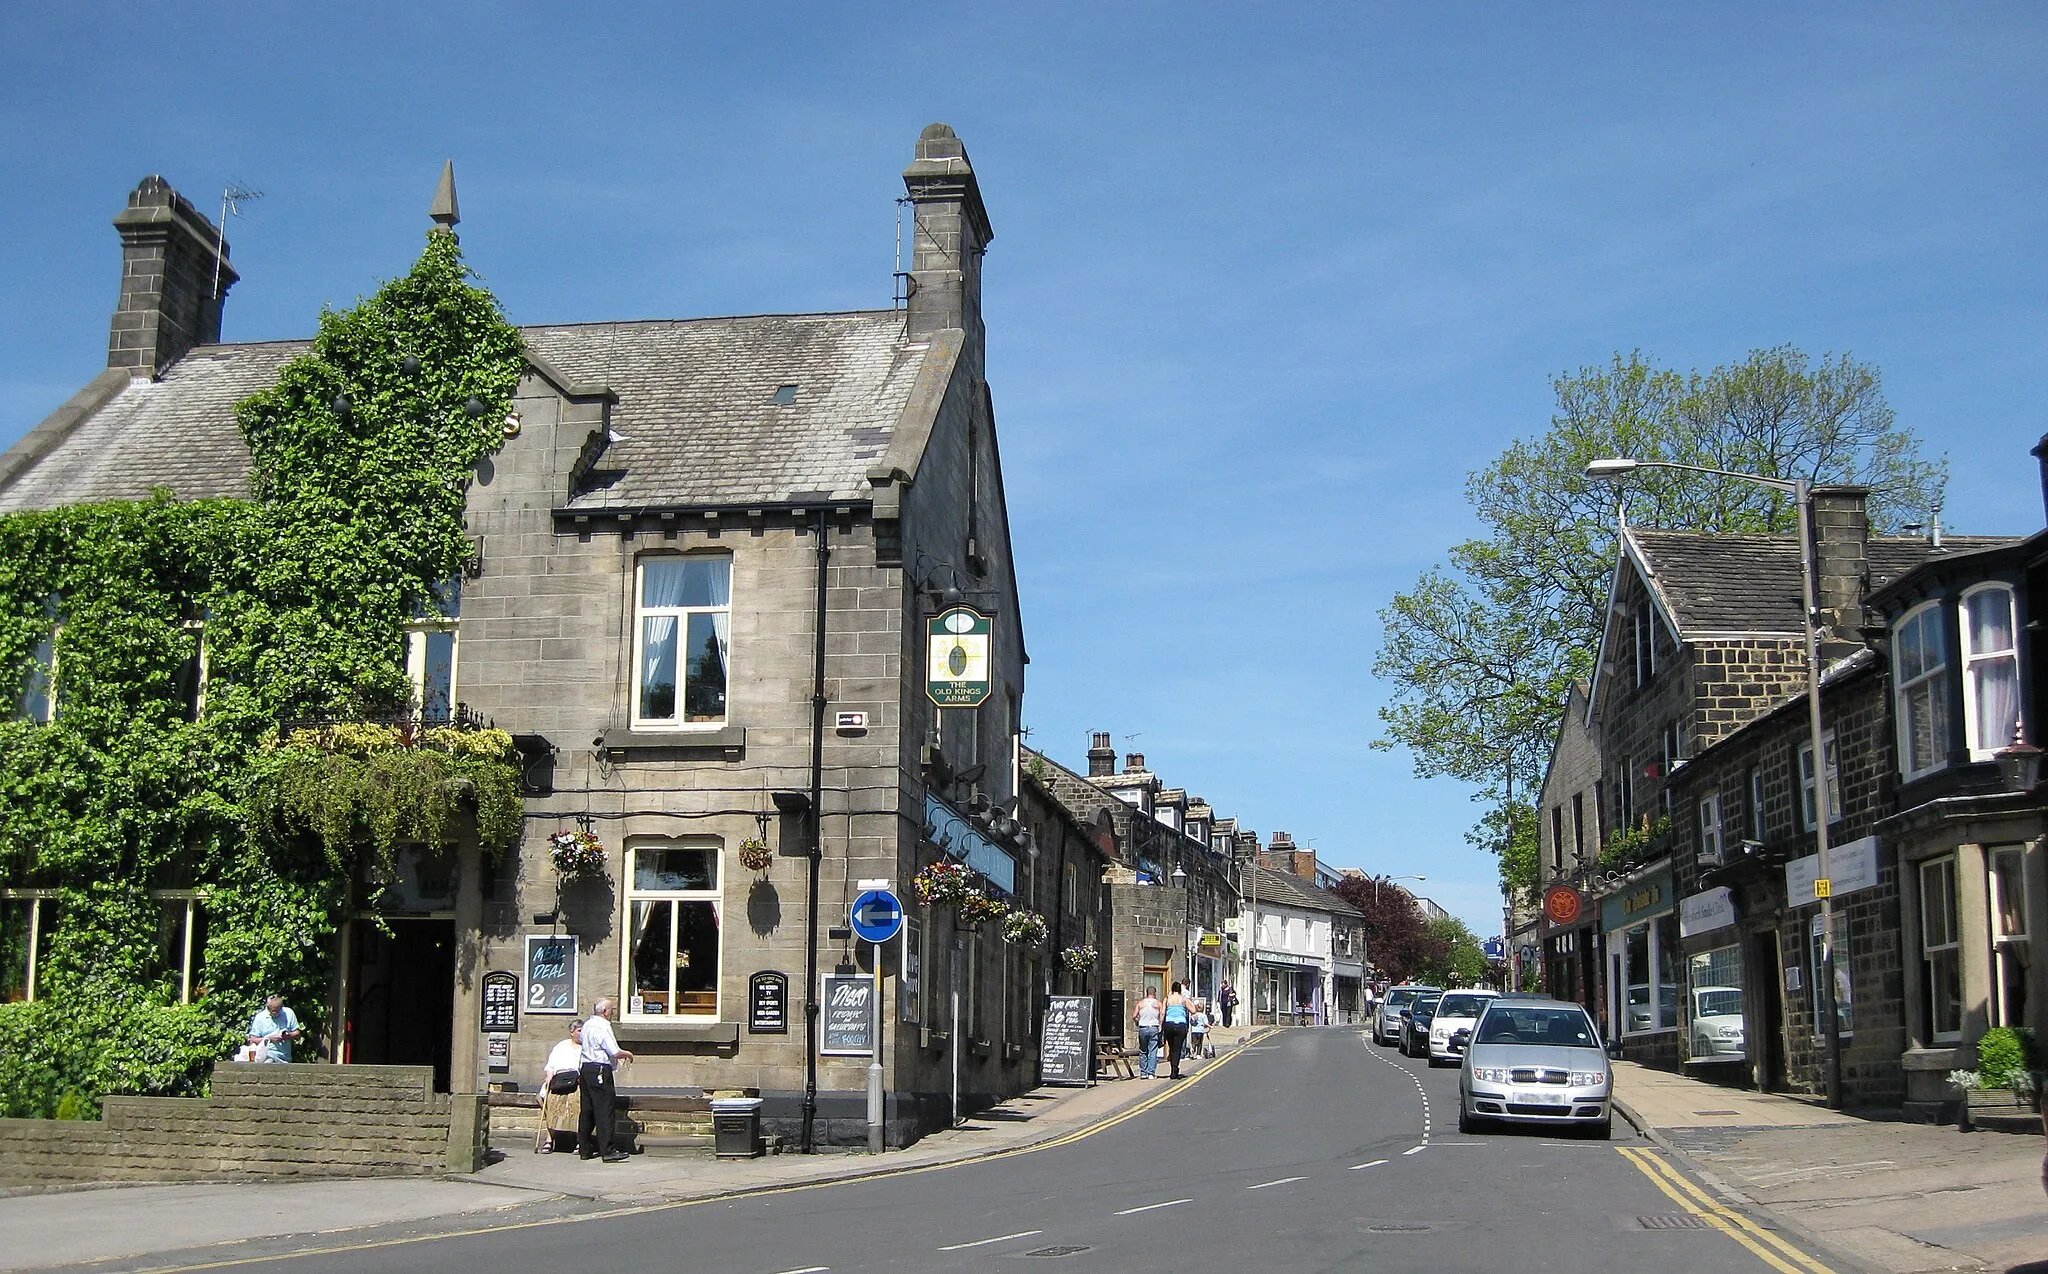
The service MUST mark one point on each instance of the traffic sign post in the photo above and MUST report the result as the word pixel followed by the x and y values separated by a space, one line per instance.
pixel 877 917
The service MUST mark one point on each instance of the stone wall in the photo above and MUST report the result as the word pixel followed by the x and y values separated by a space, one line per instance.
pixel 262 1121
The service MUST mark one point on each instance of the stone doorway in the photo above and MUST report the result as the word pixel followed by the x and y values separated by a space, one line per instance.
pixel 401 995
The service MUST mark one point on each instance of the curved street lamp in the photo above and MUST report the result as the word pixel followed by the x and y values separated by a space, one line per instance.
pixel 1376 885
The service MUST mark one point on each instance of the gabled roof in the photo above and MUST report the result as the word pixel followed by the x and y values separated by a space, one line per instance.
pixel 1082 799
pixel 1710 584
pixel 695 414
pixel 1285 889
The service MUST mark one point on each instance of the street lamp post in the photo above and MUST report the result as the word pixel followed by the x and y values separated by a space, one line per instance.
pixel 1802 493
pixel 1376 881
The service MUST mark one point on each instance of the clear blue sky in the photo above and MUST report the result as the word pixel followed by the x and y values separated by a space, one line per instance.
pixel 1263 288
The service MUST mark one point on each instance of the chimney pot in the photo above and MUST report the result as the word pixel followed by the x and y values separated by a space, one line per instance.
pixel 1134 762
pixel 1841 551
pixel 1101 756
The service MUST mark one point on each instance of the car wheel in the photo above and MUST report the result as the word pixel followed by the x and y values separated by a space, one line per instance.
pixel 1604 1130
pixel 1466 1122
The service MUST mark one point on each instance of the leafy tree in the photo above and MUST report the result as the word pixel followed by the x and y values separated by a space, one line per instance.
pixel 1480 654
pixel 1397 941
pixel 1458 959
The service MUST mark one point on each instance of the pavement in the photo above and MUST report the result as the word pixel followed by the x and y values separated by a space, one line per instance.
pixel 168 1226
pixel 1876 1193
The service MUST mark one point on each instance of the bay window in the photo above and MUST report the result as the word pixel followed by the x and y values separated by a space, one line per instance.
pixel 2010 952
pixel 681 639
pixel 1991 670
pixel 1919 671
pixel 1941 956
pixel 673 950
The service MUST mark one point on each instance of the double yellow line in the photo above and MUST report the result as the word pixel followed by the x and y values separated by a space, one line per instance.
pixel 1772 1250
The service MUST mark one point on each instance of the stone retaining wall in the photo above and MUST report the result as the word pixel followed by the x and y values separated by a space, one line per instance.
pixel 261 1121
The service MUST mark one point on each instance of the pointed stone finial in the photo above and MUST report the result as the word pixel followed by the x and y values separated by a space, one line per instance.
pixel 444 211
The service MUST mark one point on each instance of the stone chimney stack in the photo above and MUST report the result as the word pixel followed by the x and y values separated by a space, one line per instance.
pixel 1841 570
pixel 170 258
pixel 1134 762
pixel 1101 757
pixel 951 233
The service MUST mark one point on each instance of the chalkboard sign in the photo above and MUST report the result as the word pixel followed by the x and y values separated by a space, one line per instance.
pixel 1066 1047
pixel 551 973
pixel 768 1004
pixel 849 1015
pixel 501 1001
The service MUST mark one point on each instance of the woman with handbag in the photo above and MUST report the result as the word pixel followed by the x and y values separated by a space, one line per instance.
pixel 560 1106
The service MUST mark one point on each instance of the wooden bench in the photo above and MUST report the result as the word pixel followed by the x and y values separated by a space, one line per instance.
pixel 1111 1057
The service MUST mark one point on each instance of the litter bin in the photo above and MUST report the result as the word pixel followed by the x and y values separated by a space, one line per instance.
pixel 736 1127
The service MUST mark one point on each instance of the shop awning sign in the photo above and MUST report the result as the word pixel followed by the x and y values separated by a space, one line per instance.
pixel 957 663
pixel 1706 911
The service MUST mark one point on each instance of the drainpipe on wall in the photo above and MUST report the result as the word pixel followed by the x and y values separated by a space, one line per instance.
pixel 816 846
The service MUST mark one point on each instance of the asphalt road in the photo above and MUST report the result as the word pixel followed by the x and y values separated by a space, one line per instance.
pixel 1313 1150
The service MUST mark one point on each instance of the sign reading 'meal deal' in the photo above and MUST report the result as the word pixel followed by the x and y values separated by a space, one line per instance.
pixel 957 658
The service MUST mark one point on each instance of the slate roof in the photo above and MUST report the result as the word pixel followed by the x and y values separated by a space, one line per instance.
pixel 694 413
pixel 1285 889
pixel 1750 583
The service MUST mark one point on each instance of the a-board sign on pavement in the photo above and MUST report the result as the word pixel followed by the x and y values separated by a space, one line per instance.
pixel 1066 1047
pixel 849 1023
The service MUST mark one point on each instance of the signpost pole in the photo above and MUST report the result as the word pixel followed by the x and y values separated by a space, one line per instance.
pixel 877 917
pixel 875 1138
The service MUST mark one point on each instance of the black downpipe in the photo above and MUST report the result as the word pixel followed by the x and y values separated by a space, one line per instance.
pixel 817 847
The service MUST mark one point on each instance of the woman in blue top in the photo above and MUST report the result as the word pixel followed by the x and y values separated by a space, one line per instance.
pixel 1177 1019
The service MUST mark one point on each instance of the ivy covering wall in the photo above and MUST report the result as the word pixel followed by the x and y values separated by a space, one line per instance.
pixel 362 454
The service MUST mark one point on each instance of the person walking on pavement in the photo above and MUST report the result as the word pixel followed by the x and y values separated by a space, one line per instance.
pixel 1148 1016
pixel 1198 1029
pixel 601 1054
pixel 560 1080
pixel 1226 999
pixel 1177 1020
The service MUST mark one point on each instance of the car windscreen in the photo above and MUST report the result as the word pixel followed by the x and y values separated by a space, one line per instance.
pixel 1719 1003
pixel 1461 1005
pixel 1424 1008
pixel 1403 996
pixel 1536 1024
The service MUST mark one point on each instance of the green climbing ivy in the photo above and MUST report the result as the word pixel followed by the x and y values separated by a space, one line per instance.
pixel 361 457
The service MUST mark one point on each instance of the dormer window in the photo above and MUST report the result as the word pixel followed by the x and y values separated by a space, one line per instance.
pixel 1991 670
pixel 1919 671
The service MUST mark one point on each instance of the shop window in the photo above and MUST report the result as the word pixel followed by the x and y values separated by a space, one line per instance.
pixel 1919 670
pixel 1710 830
pixel 1158 963
pixel 2010 952
pixel 1991 670
pixel 27 920
pixel 1715 1027
pixel 1941 956
pixel 1834 769
pixel 1648 961
pixel 681 640
pixel 1845 1000
pixel 674 947
pixel 180 940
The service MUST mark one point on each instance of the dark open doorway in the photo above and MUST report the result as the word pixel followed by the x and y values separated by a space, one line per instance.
pixel 1766 1027
pixel 401 1000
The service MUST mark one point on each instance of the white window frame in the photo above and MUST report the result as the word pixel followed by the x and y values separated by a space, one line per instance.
pixel 1950 946
pixel 682 614
pixel 1834 769
pixel 39 680
pixel 2010 953
pixel 1934 678
pixel 417 635
pixel 1713 836
pixel 1621 978
pixel 631 894
pixel 189 955
pixel 1972 658
pixel 1756 803
pixel 35 898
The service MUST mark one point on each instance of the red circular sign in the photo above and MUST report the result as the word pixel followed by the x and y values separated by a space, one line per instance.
pixel 1562 904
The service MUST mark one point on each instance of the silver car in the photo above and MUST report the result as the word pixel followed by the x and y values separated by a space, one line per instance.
pixel 1536 1061
pixel 1386 1024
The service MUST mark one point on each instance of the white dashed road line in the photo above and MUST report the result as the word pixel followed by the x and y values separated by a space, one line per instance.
pixel 1416 1150
pixel 809 1269
pixel 1001 1238
pixel 1356 1166
pixel 1281 1182
pixel 1170 1203
pixel 1413 1078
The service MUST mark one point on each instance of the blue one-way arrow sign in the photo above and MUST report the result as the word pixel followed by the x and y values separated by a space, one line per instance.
pixel 877 915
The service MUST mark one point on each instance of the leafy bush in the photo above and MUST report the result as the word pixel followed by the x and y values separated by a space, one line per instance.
pixel 2005 1057
pixel 59 1061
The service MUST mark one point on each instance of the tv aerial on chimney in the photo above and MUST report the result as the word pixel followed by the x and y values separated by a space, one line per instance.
pixel 232 197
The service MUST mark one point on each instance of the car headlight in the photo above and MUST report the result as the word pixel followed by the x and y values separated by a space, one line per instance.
pixel 1491 1074
pixel 1731 1032
pixel 1439 1033
pixel 1586 1079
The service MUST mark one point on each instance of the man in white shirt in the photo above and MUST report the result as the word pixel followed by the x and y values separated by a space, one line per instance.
pixel 272 1031
pixel 564 1067
pixel 600 1053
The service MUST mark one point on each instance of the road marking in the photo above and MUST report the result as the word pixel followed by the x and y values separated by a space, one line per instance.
pixel 1416 1150
pixel 1699 1203
pixel 955 1247
pixel 1170 1203
pixel 809 1269
pixel 1281 1182
pixel 1356 1166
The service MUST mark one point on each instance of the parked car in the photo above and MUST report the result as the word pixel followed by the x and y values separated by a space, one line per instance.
pixel 1386 1024
pixel 1415 1020
pixel 1457 1011
pixel 1717 1024
pixel 1534 1060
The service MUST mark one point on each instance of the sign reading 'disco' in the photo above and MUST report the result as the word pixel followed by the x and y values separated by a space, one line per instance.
pixel 957 658
pixel 1850 867
pixel 849 1025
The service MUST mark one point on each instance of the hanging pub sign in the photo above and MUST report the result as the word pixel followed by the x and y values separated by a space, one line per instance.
pixel 501 1001
pixel 957 658
pixel 1562 905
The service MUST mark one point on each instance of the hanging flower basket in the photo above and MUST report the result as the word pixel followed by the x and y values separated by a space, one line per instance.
pixel 1024 928
pixel 944 884
pixel 578 855
pixel 971 911
pixel 755 854
pixel 1079 959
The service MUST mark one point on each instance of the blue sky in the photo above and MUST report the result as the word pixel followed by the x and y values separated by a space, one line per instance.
pixel 1263 289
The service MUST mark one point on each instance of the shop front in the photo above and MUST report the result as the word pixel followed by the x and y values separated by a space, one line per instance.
pixel 1570 932
pixel 1716 1029
pixel 1289 990
pixel 1644 961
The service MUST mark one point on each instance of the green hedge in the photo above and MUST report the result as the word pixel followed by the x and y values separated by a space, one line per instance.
pixel 68 1056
